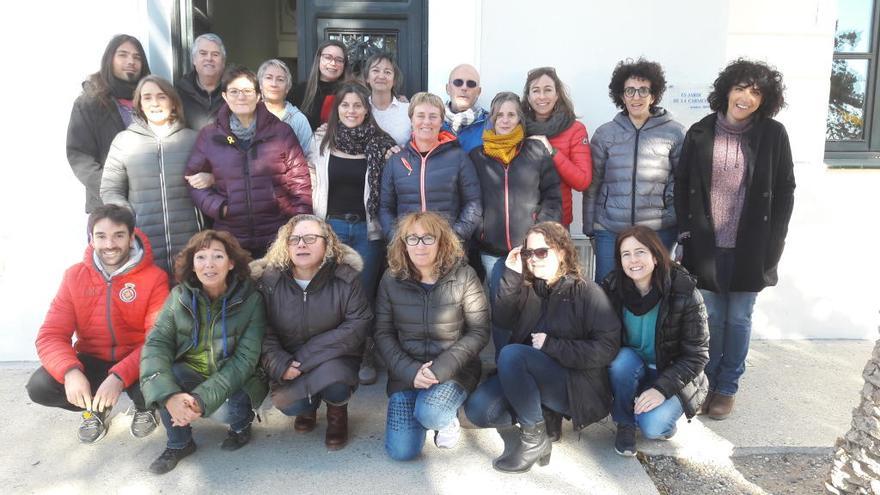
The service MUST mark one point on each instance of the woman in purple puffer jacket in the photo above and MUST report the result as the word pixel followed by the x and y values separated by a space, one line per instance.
pixel 259 173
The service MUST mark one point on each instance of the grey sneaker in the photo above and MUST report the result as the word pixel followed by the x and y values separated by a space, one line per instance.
pixel 367 374
pixel 94 426
pixel 143 423
pixel 448 437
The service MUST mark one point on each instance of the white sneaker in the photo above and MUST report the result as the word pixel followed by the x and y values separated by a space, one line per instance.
pixel 448 437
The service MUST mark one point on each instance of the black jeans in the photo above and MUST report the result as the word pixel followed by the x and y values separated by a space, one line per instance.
pixel 46 391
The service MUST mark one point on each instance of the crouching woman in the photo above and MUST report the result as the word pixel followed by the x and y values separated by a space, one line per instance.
pixel 318 319
pixel 564 335
pixel 432 320
pixel 200 359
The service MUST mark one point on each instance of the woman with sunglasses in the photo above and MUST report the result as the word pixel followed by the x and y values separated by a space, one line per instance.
pixel 565 334
pixel 634 156
pixel 550 119
pixel 314 96
pixel 431 323
pixel 318 318
pixel 658 374
pixel 347 159
pixel 432 172
pixel 260 175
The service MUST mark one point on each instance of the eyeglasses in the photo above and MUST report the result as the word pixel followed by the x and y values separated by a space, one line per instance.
pixel 308 239
pixel 413 240
pixel 235 93
pixel 461 82
pixel 642 91
pixel 327 59
pixel 539 253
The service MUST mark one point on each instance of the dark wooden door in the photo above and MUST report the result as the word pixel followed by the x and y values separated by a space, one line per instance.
pixel 365 27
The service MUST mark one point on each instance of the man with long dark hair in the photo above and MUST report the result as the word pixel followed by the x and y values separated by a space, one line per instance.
pixel 103 110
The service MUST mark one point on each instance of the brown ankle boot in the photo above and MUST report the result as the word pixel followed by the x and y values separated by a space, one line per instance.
pixel 721 407
pixel 707 403
pixel 337 427
pixel 305 423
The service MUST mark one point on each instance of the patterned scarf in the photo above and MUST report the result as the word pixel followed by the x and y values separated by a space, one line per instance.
pixel 369 140
pixel 503 147
pixel 456 121
pixel 557 123
pixel 241 132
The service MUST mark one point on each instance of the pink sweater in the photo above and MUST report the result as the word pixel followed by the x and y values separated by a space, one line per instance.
pixel 728 179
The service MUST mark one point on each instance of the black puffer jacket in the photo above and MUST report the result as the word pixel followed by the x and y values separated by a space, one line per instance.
pixel 444 181
pixel 91 130
pixel 517 196
pixel 681 339
pixel 323 327
pixel 448 325
pixel 199 107
pixel 583 335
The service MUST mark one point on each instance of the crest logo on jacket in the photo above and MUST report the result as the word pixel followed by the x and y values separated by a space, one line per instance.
pixel 128 293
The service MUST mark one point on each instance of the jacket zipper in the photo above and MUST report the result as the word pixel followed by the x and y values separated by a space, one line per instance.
pixel 507 210
pixel 635 170
pixel 164 194
pixel 305 320
pixel 110 320
pixel 422 173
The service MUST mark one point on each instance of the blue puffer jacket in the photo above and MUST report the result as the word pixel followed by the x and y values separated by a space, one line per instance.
pixel 471 135
pixel 444 181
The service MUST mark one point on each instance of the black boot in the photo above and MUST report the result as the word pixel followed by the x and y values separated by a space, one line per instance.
pixel 554 423
pixel 534 446
pixel 510 437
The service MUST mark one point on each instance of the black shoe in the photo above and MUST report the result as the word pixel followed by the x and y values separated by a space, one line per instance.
pixel 534 446
pixel 94 426
pixel 169 459
pixel 625 441
pixel 554 424
pixel 236 439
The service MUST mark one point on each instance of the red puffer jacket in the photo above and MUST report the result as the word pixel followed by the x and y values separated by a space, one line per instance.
pixel 110 319
pixel 262 187
pixel 574 163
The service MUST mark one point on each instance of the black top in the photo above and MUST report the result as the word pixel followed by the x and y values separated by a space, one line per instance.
pixel 347 178
pixel 324 90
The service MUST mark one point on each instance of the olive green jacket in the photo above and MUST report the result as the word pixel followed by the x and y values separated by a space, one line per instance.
pixel 234 354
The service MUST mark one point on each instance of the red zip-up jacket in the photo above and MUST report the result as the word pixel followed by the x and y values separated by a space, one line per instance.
pixel 574 163
pixel 109 318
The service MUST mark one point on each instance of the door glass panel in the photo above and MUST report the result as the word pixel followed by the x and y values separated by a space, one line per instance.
pixel 361 44
pixel 846 103
pixel 853 26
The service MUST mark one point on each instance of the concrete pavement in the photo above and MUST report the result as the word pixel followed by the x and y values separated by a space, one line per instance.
pixel 795 396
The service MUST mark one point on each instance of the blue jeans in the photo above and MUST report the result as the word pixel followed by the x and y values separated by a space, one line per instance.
pixel 526 379
pixel 355 236
pixel 630 376
pixel 411 413
pixel 730 328
pixel 237 411
pixel 605 254
pixel 336 394
pixel 494 266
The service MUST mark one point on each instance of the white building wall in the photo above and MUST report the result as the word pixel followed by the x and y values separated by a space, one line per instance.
pixel 48 50
pixel 694 40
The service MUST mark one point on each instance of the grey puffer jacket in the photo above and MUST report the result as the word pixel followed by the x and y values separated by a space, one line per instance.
pixel 447 324
pixel 633 175
pixel 144 172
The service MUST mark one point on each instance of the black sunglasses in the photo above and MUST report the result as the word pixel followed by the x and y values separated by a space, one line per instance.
pixel 470 83
pixel 539 253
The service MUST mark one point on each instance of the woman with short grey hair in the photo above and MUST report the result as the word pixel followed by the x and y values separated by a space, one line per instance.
pixel 275 82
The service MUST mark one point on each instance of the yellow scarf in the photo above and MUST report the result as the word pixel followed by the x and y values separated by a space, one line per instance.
pixel 503 147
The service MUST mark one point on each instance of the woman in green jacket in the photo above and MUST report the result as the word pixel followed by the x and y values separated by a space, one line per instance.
pixel 200 359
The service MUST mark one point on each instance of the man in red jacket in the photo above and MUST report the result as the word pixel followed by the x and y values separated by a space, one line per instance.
pixel 109 301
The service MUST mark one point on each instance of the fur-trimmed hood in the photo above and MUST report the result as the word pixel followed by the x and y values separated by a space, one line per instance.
pixel 350 258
